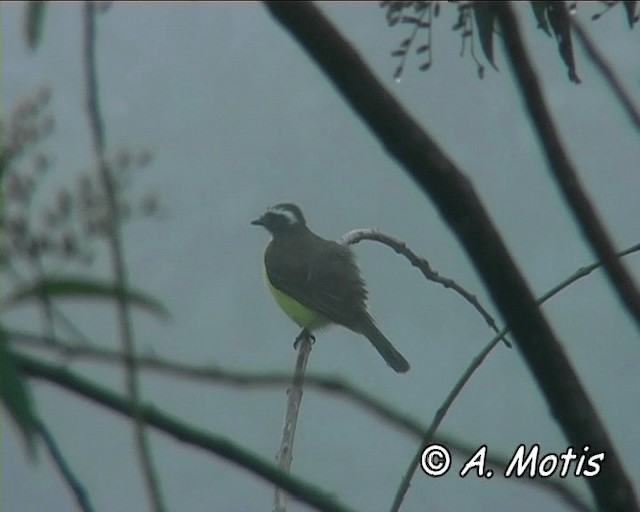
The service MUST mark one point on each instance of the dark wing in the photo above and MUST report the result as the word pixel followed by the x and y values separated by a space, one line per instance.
pixel 320 274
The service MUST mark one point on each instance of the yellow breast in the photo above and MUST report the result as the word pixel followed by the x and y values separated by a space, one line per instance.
pixel 300 314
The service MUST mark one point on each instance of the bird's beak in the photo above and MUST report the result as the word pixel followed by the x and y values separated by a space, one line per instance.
pixel 258 222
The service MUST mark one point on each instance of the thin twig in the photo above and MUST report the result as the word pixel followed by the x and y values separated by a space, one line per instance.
pixel 78 490
pixel 421 263
pixel 284 457
pixel 117 255
pixel 607 72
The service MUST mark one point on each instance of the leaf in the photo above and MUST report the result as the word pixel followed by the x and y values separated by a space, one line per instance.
pixel 16 397
pixel 630 7
pixel 410 19
pixel 398 53
pixel 539 11
pixel 397 74
pixel 82 288
pixel 33 22
pixel 485 16
pixel 559 20
pixel 422 49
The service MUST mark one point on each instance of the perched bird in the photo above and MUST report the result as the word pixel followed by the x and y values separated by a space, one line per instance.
pixel 316 282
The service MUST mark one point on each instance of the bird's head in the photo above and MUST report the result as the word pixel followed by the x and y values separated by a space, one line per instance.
pixel 281 219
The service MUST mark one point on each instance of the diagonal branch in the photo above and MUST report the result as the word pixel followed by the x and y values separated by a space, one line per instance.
pixel 563 170
pixel 607 72
pixel 78 490
pixel 454 196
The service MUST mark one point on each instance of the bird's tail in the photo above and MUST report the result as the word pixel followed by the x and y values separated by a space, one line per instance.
pixel 383 345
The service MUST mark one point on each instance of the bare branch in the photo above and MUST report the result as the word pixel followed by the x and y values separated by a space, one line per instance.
pixel 284 457
pixel 78 490
pixel 421 263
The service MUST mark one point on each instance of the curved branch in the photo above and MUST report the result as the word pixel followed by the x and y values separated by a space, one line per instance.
pixel 421 263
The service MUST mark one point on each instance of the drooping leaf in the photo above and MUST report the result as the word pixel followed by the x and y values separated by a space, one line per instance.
pixel 16 397
pixel 485 16
pixel 559 21
pixel 539 11
pixel 33 22
pixel 630 7
pixel 83 288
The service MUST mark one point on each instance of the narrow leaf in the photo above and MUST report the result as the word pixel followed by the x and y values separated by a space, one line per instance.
pixel 539 11
pixel 559 21
pixel 485 17
pixel 16 397
pixel 33 22
pixel 630 7
pixel 410 19
pixel 82 288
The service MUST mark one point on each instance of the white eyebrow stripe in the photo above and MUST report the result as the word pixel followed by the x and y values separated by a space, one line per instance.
pixel 286 213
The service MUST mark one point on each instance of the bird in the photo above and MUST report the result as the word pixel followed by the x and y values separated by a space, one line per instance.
pixel 317 282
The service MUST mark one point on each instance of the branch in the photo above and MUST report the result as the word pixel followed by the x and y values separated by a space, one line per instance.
pixel 284 457
pixel 563 170
pixel 607 72
pixel 355 236
pixel 117 253
pixel 454 196
pixel 78 490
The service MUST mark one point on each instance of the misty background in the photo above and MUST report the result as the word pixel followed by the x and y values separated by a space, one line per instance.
pixel 237 118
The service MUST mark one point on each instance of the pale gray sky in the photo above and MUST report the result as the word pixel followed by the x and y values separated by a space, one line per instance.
pixel 238 118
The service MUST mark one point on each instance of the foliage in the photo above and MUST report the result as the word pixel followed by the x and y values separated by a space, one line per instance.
pixel 475 18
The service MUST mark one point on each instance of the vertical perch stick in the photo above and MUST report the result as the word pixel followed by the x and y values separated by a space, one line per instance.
pixel 285 454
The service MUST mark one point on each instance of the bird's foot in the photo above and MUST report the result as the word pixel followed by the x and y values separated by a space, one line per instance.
pixel 305 333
